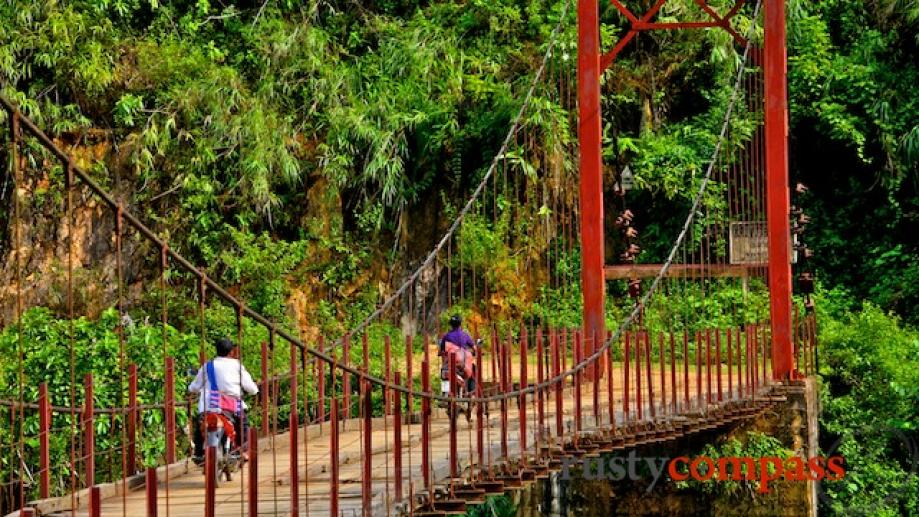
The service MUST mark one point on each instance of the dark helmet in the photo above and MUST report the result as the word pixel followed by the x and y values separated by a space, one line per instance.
pixel 456 321
pixel 224 346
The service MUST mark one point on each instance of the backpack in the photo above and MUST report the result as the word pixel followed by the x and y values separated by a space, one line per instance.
pixel 218 402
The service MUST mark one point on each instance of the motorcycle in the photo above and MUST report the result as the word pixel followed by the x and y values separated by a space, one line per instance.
pixel 464 376
pixel 220 433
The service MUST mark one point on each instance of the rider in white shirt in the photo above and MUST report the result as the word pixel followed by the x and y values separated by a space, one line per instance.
pixel 232 379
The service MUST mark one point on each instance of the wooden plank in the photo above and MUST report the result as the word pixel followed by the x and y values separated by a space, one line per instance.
pixel 629 271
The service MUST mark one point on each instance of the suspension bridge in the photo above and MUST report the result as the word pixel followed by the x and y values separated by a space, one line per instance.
pixel 358 425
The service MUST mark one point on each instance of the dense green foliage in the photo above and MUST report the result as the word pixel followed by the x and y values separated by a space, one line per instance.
pixel 855 141
pixel 228 113
pixel 870 398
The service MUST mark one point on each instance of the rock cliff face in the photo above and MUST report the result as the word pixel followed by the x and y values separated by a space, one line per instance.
pixel 35 248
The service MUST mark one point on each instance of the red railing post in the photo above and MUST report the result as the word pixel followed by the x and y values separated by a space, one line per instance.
pixel 346 377
pixel 495 354
pixel 426 427
pixel 708 365
pixel 740 361
pixel 730 333
pixel 673 400
pixel 639 341
pixel 748 353
pixel 662 366
pixel 451 378
pixel 320 373
pixel 651 408
pixel 755 355
pixel 559 386
pixel 397 437
pixel 522 399
pixel 266 390
pixel 44 424
pixel 718 361
pixel 387 360
pixel 505 387
pixel 367 462
pixel 150 485
pixel 170 411
pixel 596 370
pixel 333 458
pixel 765 343
pixel 625 375
pixel 540 395
pixel 409 379
pixel 210 481
pixel 132 420
pixel 698 368
pixel 479 411
pixel 95 502
pixel 89 433
pixel 294 432
pixel 253 471
pixel 610 391
pixel 685 369
pixel 577 383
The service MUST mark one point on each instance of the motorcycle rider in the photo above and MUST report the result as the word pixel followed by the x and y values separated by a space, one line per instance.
pixel 232 379
pixel 461 339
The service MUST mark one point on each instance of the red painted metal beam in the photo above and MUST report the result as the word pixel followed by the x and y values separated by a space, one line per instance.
pixel 777 192
pixel 591 169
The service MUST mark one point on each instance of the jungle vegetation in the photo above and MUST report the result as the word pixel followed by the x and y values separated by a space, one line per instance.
pixel 290 145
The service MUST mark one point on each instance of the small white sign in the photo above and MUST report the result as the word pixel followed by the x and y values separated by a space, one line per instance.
pixel 748 242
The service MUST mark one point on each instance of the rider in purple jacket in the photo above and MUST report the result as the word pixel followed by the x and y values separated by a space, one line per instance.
pixel 457 335
pixel 460 338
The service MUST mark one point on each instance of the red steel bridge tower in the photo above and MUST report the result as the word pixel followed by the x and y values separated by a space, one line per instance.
pixel 592 62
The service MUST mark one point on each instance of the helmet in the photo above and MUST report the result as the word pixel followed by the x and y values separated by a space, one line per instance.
pixel 456 321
